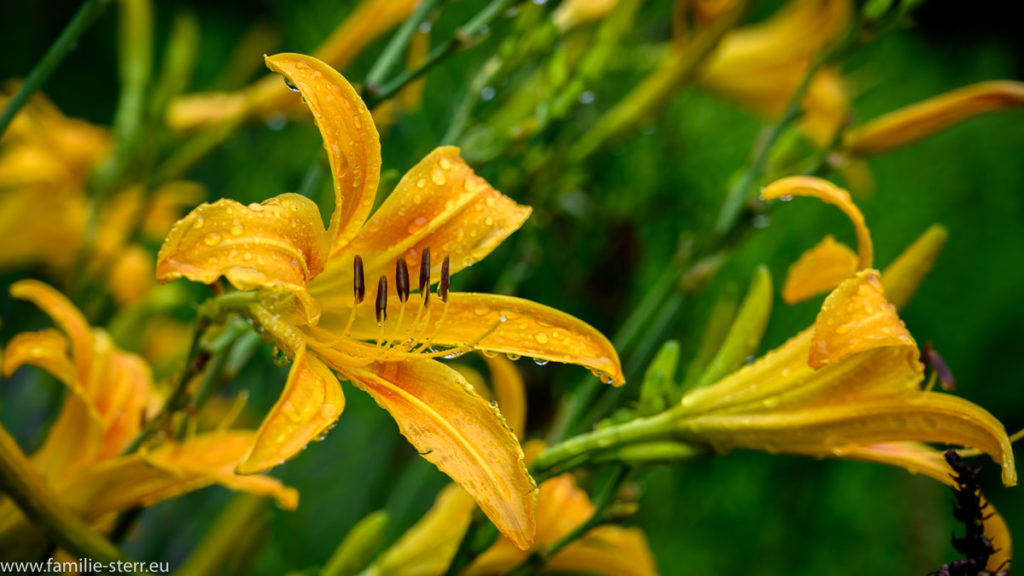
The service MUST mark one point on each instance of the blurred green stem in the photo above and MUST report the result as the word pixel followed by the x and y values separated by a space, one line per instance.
pixel 465 36
pixel 53 57
pixel 228 538
pixel 356 549
pixel 40 504
pixel 396 47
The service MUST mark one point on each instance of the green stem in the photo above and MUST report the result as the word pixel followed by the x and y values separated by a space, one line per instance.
pixel 465 36
pixel 53 57
pixel 396 47
pixel 229 538
pixel 579 449
pixel 40 504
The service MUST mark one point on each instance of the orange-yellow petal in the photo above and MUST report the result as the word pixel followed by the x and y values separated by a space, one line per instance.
pixel 462 434
pixel 131 276
pixel 173 469
pixel 66 316
pixel 489 322
pixel 915 122
pixel 47 349
pixel 349 135
pixel 439 204
pixel 311 402
pixel 854 318
pixel 819 270
pixel 279 244
pixel 608 550
pixel 831 194
pixel 509 392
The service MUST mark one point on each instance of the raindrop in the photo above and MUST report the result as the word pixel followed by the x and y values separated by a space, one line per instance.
pixel 513 357
pixel 198 222
pixel 541 338
pixel 540 361
pixel 587 97
pixel 438 177
pixel 291 85
pixel 276 121
pixel 236 227
pixel 212 239
pixel 487 93
pixel 761 221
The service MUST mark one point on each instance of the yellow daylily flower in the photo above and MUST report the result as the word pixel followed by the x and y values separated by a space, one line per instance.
pixel 110 393
pixel 369 21
pixel 311 288
pixel 46 161
pixel 429 546
pixel 760 66
pixel 853 379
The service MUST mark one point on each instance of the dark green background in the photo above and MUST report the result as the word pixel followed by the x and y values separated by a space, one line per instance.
pixel 744 513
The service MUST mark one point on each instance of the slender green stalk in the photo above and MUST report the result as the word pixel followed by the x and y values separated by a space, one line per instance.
pixel 85 16
pixel 355 551
pixel 396 47
pixel 228 539
pixel 578 449
pixel 40 504
pixel 464 37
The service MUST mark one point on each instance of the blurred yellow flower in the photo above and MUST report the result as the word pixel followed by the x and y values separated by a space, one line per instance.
pixel 46 162
pixel 760 66
pixel 110 394
pixel 852 379
pixel 311 284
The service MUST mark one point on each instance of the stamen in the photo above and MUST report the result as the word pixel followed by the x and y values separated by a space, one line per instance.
pixel 425 276
pixel 402 279
pixel 382 300
pixel 358 282
pixel 446 281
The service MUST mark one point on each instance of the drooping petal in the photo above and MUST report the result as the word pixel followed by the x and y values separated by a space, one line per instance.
pixel 311 402
pixel 821 429
pixel 608 550
pixel 72 442
pixel 854 318
pixel 462 434
pixel 819 270
pixel 907 271
pixel 47 349
pixel 171 470
pixel 489 322
pixel 349 135
pixel 917 121
pixel 66 316
pixel 279 244
pixel 439 204
pixel 831 194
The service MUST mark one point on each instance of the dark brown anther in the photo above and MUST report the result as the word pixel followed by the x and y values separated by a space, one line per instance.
pixel 358 282
pixel 382 300
pixel 938 365
pixel 425 275
pixel 402 279
pixel 446 281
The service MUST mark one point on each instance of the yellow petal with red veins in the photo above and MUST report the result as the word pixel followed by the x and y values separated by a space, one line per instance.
pixel 509 392
pixel 819 270
pixel 854 318
pixel 440 204
pixel 349 135
pixel 462 434
pixel 907 271
pixel 831 194
pixel 169 471
pixel 489 322
pixel 915 122
pixel 311 402
pixel 67 317
pixel 279 244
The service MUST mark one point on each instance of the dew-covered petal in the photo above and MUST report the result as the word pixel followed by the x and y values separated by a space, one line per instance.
pixel 441 205
pixel 144 479
pixel 349 135
pixel 819 270
pixel 854 318
pixel 819 430
pixel 509 392
pixel 277 245
pixel 310 404
pixel 831 194
pixel 491 323
pixel 461 433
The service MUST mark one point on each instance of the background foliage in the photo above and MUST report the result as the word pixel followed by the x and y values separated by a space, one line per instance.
pixel 594 250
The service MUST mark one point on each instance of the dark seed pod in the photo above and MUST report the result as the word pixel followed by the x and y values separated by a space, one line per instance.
pixel 425 275
pixel 446 281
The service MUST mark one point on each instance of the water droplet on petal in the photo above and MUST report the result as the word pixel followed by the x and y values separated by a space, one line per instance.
pixel 541 338
pixel 212 239
pixel 437 176
pixel 416 225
